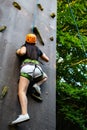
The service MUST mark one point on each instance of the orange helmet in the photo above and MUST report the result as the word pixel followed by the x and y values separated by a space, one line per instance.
pixel 31 38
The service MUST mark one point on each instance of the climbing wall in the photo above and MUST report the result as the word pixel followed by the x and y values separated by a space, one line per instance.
pixel 16 20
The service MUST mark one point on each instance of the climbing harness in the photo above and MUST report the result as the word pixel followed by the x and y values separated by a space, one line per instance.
pixel 36 79
pixel 33 78
pixel 27 61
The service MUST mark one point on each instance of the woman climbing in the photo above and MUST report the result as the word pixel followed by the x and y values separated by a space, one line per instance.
pixel 30 69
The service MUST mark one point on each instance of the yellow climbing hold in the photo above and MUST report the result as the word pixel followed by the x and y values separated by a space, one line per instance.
pixel 3 92
pixel 2 28
pixel 40 7
pixel 16 5
pixel 51 38
pixel 52 15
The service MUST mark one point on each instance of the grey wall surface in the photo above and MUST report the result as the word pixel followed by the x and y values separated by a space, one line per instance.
pixel 19 23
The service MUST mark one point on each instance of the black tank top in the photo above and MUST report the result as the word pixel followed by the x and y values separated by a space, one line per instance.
pixel 32 52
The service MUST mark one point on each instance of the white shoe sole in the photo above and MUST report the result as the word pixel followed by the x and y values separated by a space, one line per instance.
pixel 19 122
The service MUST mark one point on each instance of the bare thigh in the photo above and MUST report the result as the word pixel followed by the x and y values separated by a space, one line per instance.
pixel 23 84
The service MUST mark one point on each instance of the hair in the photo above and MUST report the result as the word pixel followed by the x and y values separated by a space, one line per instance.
pixel 31 51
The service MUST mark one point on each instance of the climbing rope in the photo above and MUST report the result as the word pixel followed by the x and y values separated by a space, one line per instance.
pixel 35 15
pixel 71 11
pixel 34 28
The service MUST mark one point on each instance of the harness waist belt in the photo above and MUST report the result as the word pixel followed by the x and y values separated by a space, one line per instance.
pixel 30 61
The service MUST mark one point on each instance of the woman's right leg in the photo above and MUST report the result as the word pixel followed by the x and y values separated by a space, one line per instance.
pixel 22 90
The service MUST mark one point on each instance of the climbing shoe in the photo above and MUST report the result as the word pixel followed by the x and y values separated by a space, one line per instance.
pixel 20 119
pixel 37 88
pixel 36 96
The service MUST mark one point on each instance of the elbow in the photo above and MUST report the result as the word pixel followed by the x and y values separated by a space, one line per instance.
pixel 22 52
pixel 19 52
pixel 47 60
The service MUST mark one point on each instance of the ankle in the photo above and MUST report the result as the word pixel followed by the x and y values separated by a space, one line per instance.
pixel 24 113
pixel 35 85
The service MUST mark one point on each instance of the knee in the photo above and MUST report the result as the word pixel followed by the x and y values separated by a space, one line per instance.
pixel 45 78
pixel 20 93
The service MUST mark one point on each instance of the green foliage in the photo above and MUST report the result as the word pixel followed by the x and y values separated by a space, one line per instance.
pixel 71 60
pixel 72 104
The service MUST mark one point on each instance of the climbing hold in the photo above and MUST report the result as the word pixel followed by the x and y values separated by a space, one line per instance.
pixel 4 92
pixel 46 93
pixel 40 7
pixel 2 28
pixel 51 38
pixel 16 5
pixel 52 15
pixel 36 31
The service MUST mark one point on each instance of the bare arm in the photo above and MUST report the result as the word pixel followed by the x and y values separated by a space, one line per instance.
pixel 44 57
pixel 21 51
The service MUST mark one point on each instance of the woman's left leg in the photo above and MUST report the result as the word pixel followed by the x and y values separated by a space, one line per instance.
pixel 37 85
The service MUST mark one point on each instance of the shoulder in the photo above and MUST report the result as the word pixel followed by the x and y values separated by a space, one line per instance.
pixel 37 48
pixel 40 53
pixel 24 45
